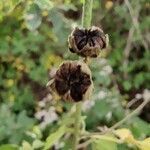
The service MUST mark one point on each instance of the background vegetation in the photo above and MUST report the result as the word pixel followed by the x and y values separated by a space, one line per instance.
pixel 33 42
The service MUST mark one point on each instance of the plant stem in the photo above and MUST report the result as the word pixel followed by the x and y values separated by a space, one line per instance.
pixel 77 125
pixel 86 22
pixel 136 111
pixel 129 116
pixel 87 13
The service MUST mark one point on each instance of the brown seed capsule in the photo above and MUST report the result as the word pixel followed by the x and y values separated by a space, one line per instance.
pixel 87 42
pixel 73 81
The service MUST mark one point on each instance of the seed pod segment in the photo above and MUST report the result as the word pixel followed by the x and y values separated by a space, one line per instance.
pixel 72 81
pixel 87 42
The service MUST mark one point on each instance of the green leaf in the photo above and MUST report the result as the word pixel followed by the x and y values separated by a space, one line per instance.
pixel 60 23
pixel 144 145
pixel 26 146
pixel 13 129
pixel 44 4
pixel 54 137
pixel 33 17
pixel 9 147
pixel 139 79
pixel 140 128
pixel 127 85
pixel 37 144
pixel 103 145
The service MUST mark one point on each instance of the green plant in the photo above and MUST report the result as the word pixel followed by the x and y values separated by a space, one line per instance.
pixel 33 42
pixel 14 127
pixel 101 140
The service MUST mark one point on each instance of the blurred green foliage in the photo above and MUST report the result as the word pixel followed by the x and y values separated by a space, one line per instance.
pixel 13 127
pixel 33 42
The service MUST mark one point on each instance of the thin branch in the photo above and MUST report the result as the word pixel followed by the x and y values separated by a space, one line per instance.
pixel 127 49
pixel 129 42
pixel 85 144
pixel 136 111
pixel 133 101
pixel 136 23
pixel 129 116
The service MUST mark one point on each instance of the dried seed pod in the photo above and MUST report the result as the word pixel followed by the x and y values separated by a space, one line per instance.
pixel 73 81
pixel 87 42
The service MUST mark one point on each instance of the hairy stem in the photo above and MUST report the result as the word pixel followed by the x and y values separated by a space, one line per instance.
pixel 87 13
pixel 77 125
pixel 86 22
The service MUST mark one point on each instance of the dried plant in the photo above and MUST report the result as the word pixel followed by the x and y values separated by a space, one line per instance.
pixel 73 82
pixel 87 42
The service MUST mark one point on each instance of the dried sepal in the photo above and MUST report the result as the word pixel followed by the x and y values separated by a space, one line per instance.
pixel 87 42
pixel 73 81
